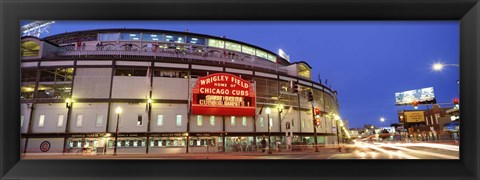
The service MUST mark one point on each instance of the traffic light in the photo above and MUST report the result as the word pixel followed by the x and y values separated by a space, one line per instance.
pixel 310 96
pixel 317 121
pixel 317 111
pixel 455 102
pixel 294 86
pixel 415 104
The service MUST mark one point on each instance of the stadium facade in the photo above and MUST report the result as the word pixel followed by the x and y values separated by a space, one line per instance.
pixel 170 92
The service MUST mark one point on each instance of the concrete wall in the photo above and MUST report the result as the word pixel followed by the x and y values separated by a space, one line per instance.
pixel 56 145
pixel 170 88
pixel 239 127
pixel 169 112
pixel 128 117
pixel 92 83
pixel 166 150
pixel 25 112
pixel 131 87
pixel 206 127
pixel 90 111
pixel 51 112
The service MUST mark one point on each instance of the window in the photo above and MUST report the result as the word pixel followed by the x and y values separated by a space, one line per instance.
pixel 199 120
pixel 21 120
pixel 271 122
pixel 99 122
pixel 131 72
pixel 60 120
pixel 109 36
pixel 212 120
pixel 232 120
pixel 174 38
pixel 139 120
pixel 79 120
pixel 437 116
pixel 216 43
pixel 261 54
pixel 272 57
pixel 244 121
pixel 427 121
pixel 130 36
pixel 159 120
pixel 29 48
pixel 303 123
pixel 41 120
pixel 261 121
pixel 195 40
pixel 248 50
pixel 152 37
pixel 179 120
pixel 233 46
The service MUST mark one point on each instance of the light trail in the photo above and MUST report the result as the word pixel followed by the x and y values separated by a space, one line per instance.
pixel 374 147
pixel 420 152
pixel 429 145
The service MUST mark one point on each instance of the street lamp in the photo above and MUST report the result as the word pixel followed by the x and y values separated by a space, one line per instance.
pixel 268 118
pixel 439 66
pixel 382 119
pixel 118 111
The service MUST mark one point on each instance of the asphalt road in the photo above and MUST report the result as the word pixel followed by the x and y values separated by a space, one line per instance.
pixel 357 151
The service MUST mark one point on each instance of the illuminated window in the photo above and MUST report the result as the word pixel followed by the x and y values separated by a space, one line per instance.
pixel 99 122
pixel 233 46
pixel 232 121
pixel 41 120
pixel 179 120
pixel 139 120
pixel 199 120
pixel 152 37
pixel 174 38
pixel 130 36
pixel 261 122
pixel 272 57
pixel 304 70
pixel 244 121
pixel 437 116
pixel 271 122
pixel 160 120
pixel 29 48
pixel 109 37
pixel 196 40
pixel 303 123
pixel 248 50
pixel 79 120
pixel 216 43
pixel 21 120
pixel 212 120
pixel 261 54
pixel 60 120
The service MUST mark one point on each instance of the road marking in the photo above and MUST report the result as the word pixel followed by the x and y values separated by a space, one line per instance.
pixel 332 156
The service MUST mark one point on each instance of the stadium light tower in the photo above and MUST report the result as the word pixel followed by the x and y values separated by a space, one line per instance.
pixel 36 28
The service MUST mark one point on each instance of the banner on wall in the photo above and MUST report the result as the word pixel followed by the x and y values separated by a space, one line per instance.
pixel 223 94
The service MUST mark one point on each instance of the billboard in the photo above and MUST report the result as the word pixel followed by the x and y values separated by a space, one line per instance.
pixel 422 96
pixel 223 94
pixel 414 116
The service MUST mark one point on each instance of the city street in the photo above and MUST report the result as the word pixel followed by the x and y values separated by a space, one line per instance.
pixel 358 151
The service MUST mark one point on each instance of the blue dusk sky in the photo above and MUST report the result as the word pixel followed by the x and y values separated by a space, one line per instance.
pixel 365 61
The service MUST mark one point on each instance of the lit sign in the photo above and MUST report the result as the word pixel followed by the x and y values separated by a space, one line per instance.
pixel 223 94
pixel 284 55
pixel 414 116
pixel 422 96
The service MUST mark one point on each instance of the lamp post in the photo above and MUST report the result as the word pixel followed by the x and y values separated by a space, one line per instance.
pixel 118 111
pixel 68 105
pixel 337 120
pixel 268 118
pixel 314 128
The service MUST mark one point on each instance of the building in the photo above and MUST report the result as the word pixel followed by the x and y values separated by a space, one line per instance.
pixel 177 92
pixel 425 124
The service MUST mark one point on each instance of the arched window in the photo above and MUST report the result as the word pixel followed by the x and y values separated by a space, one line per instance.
pixel 29 48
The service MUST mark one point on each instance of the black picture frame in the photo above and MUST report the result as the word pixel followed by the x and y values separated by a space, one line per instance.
pixel 466 11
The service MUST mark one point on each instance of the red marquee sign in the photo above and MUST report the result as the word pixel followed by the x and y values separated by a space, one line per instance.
pixel 223 94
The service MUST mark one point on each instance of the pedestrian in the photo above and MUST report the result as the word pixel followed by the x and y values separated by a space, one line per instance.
pixel 264 144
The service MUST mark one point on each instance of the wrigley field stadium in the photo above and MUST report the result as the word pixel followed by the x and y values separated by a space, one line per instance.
pixel 138 91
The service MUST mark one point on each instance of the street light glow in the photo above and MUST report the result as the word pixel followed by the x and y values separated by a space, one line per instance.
pixel 118 110
pixel 268 110
pixel 382 119
pixel 437 66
